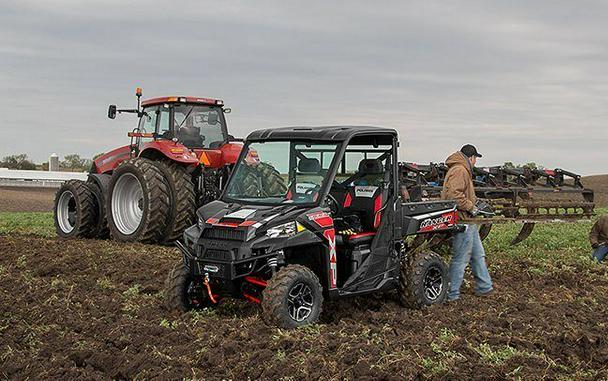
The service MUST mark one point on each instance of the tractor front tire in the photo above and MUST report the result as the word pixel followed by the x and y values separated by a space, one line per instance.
pixel 423 280
pixel 292 298
pixel 138 202
pixel 75 210
pixel 181 294
pixel 181 199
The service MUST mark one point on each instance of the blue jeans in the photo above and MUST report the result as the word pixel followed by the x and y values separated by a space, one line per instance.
pixel 467 248
pixel 600 253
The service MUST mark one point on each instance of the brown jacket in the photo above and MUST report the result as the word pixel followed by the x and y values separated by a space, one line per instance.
pixel 599 231
pixel 458 183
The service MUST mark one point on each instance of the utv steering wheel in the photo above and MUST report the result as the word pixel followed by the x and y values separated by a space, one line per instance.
pixel 332 203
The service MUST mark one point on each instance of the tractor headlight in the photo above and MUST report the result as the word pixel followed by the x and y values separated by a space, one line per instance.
pixel 285 230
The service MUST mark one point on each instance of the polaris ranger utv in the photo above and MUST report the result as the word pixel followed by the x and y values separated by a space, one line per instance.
pixel 338 228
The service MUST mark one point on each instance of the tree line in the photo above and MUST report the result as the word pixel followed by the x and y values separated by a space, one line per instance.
pixel 72 163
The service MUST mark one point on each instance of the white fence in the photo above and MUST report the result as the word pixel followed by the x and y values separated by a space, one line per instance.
pixel 42 179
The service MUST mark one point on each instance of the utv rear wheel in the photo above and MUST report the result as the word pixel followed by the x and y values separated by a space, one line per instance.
pixel 182 293
pixel 138 202
pixel 74 211
pixel 181 200
pixel 423 281
pixel 292 298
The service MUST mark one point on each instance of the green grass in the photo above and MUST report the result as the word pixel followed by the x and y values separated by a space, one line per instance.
pixel 37 223
pixel 551 246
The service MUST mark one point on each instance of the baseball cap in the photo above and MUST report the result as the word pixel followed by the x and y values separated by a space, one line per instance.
pixel 469 150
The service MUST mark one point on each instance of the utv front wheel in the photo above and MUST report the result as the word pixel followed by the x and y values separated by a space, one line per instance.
pixel 182 292
pixel 293 297
pixel 75 210
pixel 423 280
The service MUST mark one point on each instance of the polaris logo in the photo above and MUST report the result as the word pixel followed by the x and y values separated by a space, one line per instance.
pixel 303 187
pixel 211 268
pixel 365 191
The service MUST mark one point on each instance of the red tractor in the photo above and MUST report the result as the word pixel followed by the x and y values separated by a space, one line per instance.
pixel 179 158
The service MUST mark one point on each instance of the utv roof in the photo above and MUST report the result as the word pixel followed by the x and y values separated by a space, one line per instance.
pixel 324 133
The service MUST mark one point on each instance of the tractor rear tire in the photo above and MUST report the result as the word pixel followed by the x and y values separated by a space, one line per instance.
pixel 137 202
pixel 292 298
pixel 74 210
pixel 275 184
pixel 423 280
pixel 181 199
pixel 100 227
pixel 262 176
pixel 177 287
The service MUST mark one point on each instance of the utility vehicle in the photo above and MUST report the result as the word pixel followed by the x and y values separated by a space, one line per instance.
pixel 336 227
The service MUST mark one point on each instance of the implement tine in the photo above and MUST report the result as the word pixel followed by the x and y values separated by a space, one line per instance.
pixel 484 230
pixel 524 233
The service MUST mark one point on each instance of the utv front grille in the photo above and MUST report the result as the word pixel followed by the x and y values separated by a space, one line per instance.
pixel 220 255
pixel 231 234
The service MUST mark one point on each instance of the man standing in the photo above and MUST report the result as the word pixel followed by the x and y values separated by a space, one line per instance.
pixel 599 238
pixel 466 246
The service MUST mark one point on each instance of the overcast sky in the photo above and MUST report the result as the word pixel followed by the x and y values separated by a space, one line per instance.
pixel 522 80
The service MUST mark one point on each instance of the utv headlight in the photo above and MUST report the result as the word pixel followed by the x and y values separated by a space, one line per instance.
pixel 285 230
pixel 200 223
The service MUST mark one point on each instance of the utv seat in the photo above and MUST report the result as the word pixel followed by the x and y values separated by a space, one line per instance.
pixel 365 201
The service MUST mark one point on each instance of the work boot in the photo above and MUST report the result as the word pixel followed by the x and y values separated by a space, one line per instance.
pixel 485 294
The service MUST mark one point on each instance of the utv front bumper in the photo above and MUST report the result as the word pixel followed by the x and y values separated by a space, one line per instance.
pixel 224 260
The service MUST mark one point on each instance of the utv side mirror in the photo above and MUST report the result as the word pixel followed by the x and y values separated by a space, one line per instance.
pixel 112 111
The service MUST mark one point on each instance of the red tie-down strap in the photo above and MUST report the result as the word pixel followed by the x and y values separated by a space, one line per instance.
pixel 377 207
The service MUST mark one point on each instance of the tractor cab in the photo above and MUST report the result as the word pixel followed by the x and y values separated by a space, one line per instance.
pixel 197 123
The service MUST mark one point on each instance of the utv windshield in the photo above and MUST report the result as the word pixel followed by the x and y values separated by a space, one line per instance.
pixel 281 172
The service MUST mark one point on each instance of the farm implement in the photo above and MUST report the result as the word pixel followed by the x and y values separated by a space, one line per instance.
pixel 524 195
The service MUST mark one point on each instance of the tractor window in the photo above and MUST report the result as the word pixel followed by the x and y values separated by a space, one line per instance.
pixel 147 123
pixel 198 126
pixel 164 129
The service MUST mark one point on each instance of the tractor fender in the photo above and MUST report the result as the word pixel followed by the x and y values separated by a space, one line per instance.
pixel 226 154
pixel 101 179
pixel 171 150
pixel 107 162
pixel 231 152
